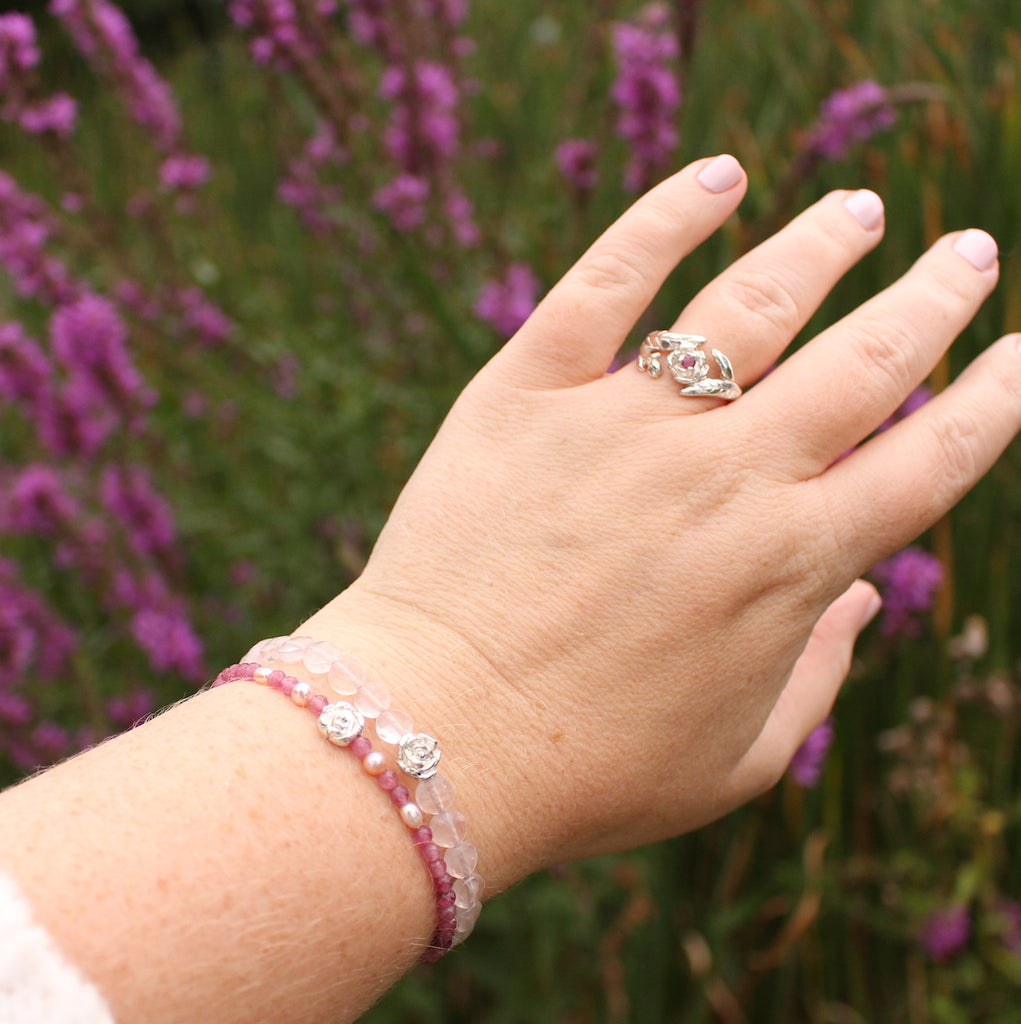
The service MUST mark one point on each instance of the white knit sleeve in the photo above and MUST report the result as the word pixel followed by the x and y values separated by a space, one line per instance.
pixel 37 984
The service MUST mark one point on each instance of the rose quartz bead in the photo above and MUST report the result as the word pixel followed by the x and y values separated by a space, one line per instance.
pixel 392 725
pixel 435 795
pixel 467 891
pixel 449 828
pixel 345 676
pixel 462 860
pixel 371 698
pixel 293 648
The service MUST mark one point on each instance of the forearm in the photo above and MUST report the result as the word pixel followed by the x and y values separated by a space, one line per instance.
pixel 223 863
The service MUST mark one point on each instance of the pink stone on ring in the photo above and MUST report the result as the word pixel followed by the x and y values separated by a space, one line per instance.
pixel 688 364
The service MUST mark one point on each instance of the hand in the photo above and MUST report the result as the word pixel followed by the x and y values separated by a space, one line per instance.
pixel 618 582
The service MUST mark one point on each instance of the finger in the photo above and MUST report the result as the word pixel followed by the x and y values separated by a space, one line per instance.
pixel 754 309
pixel 840 387
pixel 808 697
pixel 577 329
pixel 905 478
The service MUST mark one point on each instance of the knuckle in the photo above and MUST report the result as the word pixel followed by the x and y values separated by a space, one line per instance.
pixel 956 434
pixel 620 268
pixel 763 295
pixel 886 349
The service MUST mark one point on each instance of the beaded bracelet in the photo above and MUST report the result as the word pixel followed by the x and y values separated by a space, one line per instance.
pixel 442 841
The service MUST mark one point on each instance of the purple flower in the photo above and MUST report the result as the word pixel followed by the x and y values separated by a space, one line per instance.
pixel 90 340
pixel 168 639
pixel 105 38
pixel 303 188
pixel 25 229
pixel 280 37
pixel 806 765
pixel 184 172
pixel 37 502
pixel 58 114
pixel 646 93
pixel 423 131
pixel 209 323
pixel 576 159
pixel 403 200
pixel 128 709
pixel 506 304
pixel 908 581
pixel 18 49
pixel 25 372
pixel 131 497
pixel 945 933
pixel 848 116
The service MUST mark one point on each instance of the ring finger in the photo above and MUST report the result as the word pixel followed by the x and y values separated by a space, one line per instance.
pixel 753 310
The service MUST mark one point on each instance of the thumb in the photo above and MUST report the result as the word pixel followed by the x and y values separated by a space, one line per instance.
pixel 808 697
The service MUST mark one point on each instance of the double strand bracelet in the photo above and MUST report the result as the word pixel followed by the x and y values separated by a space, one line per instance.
pixel 442 839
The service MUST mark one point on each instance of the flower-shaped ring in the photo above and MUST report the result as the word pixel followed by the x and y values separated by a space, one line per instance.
pixel 687 364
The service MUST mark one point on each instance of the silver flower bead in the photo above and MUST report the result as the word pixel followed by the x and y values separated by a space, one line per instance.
pixel 341 723
pixel 418 755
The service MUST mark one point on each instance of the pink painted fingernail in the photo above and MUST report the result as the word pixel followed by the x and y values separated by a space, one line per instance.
pixel 723 173
pixel 866 208
pixel 977 247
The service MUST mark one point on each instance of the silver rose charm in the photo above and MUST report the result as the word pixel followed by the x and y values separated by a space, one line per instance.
pixel 418 755
pixel 341 723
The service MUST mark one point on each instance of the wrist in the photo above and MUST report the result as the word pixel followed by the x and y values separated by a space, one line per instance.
pixel 452 693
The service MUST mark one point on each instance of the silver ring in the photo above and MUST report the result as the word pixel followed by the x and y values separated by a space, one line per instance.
pixel 687 364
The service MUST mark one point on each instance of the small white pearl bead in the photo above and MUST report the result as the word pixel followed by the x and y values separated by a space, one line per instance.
pixel 301 694
pixel 374 763
pixel 412 815
pixel 261 675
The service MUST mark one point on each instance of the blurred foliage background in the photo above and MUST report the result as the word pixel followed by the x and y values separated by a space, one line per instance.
pixel 273 440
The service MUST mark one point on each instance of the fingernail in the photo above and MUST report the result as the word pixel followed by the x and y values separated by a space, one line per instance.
pixel 977 247
pixel 871 611
pixel 866 208
pixel 723 173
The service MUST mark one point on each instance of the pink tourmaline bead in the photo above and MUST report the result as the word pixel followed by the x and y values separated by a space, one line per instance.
pixel 430 851
pixel 446 917
pixel 388 779
pixel 400 795
pixel 360 746
pixel 445 899
pixel 421 836
pixel 288 684
pixel 276 678
pixel 437 868
pixel 443 884
pixel 317 703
